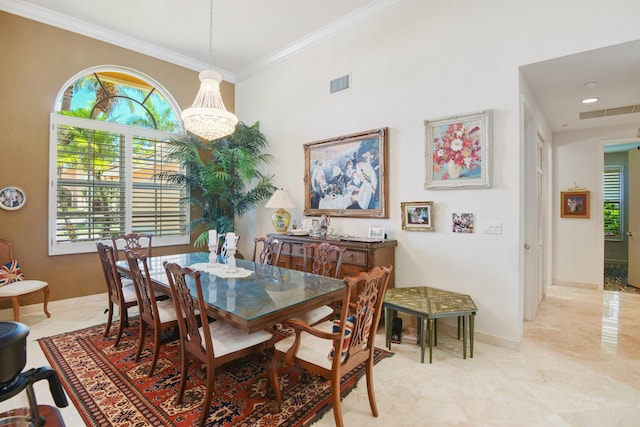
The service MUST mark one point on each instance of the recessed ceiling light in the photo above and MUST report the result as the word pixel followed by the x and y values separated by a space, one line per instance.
pixel 592 84
pixel 589 100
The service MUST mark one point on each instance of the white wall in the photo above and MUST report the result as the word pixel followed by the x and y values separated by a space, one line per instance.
pixel 426 60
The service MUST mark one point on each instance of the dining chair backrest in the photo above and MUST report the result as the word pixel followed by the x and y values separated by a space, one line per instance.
pixel 111 276
pixel 190 311
pixel 139 243
pixel 269 254
pixel 116 293
pixel 323 258
pixel 144 290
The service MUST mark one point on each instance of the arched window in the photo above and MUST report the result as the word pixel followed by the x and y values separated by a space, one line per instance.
pixel 108 143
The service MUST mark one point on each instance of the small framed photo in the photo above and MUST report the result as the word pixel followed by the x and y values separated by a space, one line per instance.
pixel 12 198
pixel 574 204
pixel 376 232
pixel 417 216
pixel 462 222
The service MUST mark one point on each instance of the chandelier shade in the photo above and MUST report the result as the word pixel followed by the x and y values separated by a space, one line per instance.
pixel 207 117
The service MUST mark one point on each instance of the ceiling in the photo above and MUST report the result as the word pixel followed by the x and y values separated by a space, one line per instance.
pixel 249 35
pixel 559 85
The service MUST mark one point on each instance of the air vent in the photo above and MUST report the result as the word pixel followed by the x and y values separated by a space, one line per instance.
pixel 610 112
pixel 340 84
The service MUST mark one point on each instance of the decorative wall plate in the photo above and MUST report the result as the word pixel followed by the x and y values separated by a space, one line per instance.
pixel 12 198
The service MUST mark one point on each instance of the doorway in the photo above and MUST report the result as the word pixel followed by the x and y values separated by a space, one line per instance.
pixel 620 218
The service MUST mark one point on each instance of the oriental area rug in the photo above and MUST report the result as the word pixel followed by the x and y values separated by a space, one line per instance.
pixel 110 389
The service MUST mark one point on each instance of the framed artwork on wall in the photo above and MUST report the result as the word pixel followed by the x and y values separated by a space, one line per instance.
pixel 347 176
pixel 462 222
pixel 417 216
pixel 458 153
pixel 12 198
pixel 574 204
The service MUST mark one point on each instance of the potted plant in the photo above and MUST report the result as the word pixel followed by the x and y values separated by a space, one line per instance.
pixel 223 177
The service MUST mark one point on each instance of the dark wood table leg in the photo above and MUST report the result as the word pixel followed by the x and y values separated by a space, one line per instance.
pixel 431 338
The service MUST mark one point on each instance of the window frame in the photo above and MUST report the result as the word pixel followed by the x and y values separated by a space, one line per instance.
pixel 619 169
pixel 129 133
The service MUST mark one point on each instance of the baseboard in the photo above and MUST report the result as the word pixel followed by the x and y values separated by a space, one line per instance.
pixel 576 284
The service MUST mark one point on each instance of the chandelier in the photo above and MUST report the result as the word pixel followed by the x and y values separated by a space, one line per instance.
pixel 207 117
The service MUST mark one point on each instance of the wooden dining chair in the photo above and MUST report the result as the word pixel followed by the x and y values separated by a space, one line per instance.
pixel 123 297
pixel 138 243
pixel 215 343
pixel 269 253
pixel 159 315
pixel 333 349
pixel 13 284
pixel 324 259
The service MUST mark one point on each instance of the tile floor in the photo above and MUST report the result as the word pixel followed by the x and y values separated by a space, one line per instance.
pixel 579 365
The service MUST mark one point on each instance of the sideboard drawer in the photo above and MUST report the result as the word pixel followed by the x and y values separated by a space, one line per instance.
pixel 351 256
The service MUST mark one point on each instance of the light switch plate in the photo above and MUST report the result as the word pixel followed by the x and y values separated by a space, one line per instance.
pixel 492 227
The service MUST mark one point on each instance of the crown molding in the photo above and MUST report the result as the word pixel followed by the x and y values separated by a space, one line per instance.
pixel 45 16
pixel 344 23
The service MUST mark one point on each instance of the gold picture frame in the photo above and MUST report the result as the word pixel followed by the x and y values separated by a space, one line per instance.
pixel 417 216
pixel 347 176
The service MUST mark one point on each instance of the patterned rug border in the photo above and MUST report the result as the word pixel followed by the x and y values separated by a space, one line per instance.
pixel 94 415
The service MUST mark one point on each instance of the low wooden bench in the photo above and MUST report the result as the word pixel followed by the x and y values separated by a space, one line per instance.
pixel 428 305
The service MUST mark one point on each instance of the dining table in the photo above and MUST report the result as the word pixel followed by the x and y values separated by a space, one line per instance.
pixel 250 296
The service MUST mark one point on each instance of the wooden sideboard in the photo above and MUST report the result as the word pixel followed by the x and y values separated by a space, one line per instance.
pixel 358 256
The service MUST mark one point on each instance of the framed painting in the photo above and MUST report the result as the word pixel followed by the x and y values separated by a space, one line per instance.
pixel 12 198
pixel 574 204
pixel 458 153
pixel 417 216
pixel 347 176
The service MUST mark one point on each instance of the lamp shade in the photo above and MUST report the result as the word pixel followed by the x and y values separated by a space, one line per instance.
pixel 280 199
pixel 281 218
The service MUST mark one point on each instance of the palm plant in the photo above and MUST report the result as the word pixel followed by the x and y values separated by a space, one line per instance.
pixel 223 177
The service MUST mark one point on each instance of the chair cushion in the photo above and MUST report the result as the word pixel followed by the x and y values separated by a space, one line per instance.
pixel 10 273
pixel 129 294
pixel 227 339
pixel 314 316
pixel 166 311
pixel 312 349
pixel 22 287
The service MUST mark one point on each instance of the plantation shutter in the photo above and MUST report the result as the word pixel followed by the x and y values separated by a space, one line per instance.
pixel 90 184
pixel 613 203
pixel 156 205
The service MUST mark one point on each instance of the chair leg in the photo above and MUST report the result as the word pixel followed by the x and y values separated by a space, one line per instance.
pixel 123 318
pixel 15 302
pixel 109 319
pixel 275 383
pixel 45 290
pixel 370 390
pixel 184 360
pixel 335 394
pixel 156 350
pixel 211 376
pixel 143 331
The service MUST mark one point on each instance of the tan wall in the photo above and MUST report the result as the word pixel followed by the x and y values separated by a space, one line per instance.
pixel 37 60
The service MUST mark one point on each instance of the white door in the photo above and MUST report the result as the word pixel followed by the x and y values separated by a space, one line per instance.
pixel 633 235
pixel 535 155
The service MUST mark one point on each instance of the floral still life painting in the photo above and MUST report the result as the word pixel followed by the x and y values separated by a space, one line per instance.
pixel 458 151
pixel 463 223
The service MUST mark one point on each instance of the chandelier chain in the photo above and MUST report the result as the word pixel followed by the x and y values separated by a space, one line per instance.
pixel 211 35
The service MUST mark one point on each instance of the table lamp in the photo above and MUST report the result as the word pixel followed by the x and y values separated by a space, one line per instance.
pixel 280 200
